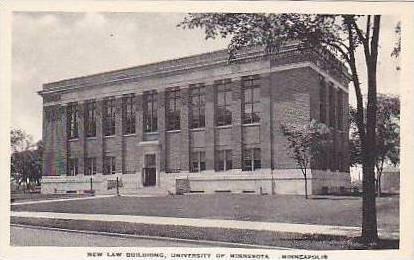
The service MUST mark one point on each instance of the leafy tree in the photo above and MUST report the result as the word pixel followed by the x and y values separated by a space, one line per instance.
pixel 20 140
pixel 397 48
pixel 26 158
pixel 340 34
pixel 305 144
pixel 387 139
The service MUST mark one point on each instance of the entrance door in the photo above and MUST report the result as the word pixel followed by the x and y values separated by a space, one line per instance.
pixel 149 174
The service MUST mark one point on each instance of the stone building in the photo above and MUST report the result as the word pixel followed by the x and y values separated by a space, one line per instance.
pixel 196 124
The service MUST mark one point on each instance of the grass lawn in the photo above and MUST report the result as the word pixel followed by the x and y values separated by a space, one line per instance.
pixel 254 237
pixel 324 210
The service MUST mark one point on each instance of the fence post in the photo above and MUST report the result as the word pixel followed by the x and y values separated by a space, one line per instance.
pixel 117 186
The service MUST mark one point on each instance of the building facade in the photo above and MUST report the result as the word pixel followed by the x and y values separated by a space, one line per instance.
pixel 197 124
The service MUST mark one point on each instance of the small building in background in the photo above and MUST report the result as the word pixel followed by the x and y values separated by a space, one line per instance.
pixel 390 180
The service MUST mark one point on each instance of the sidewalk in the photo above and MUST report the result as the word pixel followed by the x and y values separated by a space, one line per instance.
pixel 210 223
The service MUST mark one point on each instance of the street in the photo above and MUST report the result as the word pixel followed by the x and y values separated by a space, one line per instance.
pixel 28 236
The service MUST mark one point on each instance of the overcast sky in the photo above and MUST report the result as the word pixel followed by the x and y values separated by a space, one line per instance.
pixel 54 46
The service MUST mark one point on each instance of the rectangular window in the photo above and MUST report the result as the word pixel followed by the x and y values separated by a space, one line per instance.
pixel 224 160
pixel 251 159
pixel 224 101
pixel 90 122
pixel 198 102
pixel 332 100
pixel 128 114
pixel 198 161
pixel 90 166
pixel 150 111
pixel 109 116
pixel 173 109
pixel 72 114
pixel 251 99
pixel 109 165
pixel 339 110
pixel 322 100
pixel 73 167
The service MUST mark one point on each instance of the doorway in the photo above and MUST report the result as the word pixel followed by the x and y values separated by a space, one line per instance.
pixel 149 174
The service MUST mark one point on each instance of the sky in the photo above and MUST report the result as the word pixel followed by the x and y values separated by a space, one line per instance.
pixel 47 47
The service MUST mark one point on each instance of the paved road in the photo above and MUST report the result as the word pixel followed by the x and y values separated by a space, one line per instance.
pixel 24 236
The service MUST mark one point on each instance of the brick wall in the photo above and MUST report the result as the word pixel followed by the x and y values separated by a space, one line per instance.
pixel 289 96
pixel 291 104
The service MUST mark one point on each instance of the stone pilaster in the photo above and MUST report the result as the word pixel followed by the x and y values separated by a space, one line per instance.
pixel 61 135
pixel 265 122
pixel 139 124
pixel 185 132
pixel 82 137
pixel 210 129
pixel 99 136
pixel 119 165
pixel 237 124
pixel 161 130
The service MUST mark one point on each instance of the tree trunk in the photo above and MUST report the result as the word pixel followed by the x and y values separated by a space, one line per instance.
pixel 369 214
pixel 379 185
pixel 306 186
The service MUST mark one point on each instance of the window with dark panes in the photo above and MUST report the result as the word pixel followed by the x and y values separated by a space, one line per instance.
pixel 90 124
pixel 128 114
pixel 198 102
pixel 109 165
pixel 322 104
pixel 109 116
pixel 72 117
pixel 173 109
pixel 150 111
pixel 223 102
pixel 198 161
pixel 73 166
pixel 90 166
pixel 251 159
pixel 224 160
pixel 251 99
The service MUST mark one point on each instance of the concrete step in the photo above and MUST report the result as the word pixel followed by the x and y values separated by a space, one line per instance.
pixel 143 191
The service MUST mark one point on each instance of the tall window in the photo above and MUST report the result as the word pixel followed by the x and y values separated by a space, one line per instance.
pixel 73 166
pixel 173 109
pixel 224 160
pixel 150 111
pixel 109 165
pixel 90 166
pixel 198 102
pixel 72 114
pixel 128 114
pixel 198 161
pixel 90 124
pixel 251 99
pixel 223 101
pixel 322 100
pixel 109 116
pixel 251 159
pixel 331 105
pixel 339 110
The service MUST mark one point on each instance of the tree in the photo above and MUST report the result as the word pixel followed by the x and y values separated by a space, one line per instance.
pixel 19 140
pixel 340 34
pixel 26 158
pixel 305 145
pixel 388 136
